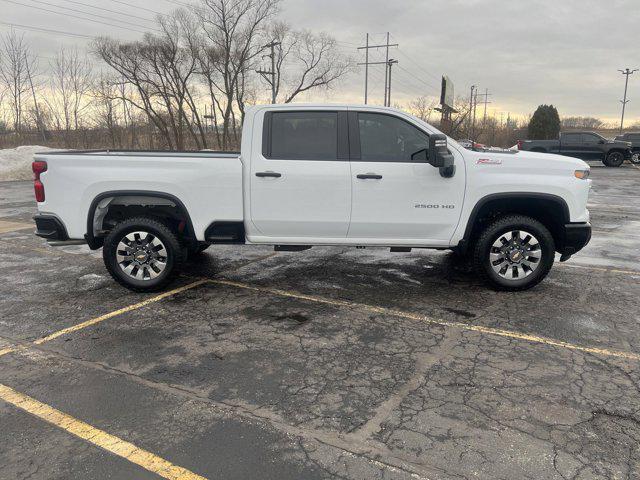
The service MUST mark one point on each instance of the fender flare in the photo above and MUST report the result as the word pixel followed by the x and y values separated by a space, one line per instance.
pixel 471 221
pixel 95 243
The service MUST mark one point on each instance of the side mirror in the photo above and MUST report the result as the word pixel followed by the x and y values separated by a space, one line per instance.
pixel 439 155
pixel 601 142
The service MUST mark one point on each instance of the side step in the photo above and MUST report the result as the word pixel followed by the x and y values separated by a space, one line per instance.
pixel 400 249
pixel 291 248
pixel 225 233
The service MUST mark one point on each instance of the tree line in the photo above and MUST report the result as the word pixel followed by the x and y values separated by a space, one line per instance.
pixel 188 82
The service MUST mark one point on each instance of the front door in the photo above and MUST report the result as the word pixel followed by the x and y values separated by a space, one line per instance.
pixel 398 197
pixel 300 181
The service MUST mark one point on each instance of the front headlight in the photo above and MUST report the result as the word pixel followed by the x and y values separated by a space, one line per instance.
pixel 582 174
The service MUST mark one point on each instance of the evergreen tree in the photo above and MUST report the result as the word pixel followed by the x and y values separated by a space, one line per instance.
pixel 545 123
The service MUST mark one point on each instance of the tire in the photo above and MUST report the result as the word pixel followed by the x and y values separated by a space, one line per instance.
pixel 614 159
pixel 160 254
pixel 635 157
pixel 519 252
pixel 194 250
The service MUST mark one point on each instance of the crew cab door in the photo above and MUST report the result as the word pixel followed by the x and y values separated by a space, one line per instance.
pixel 592 147
pixel 398 198
pixel 300 180
pixel 571 145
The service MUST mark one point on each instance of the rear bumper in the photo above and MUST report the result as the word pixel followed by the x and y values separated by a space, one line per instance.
pixel 574 237
pixel 50 228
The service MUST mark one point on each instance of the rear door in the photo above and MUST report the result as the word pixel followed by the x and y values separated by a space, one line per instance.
pixel 398 198
pixel 571 145
pixel 300 181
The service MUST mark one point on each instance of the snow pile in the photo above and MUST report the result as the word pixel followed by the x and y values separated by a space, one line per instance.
pixel 15 163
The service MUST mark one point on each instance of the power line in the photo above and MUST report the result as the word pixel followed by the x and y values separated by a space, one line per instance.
pixel 127 14
pixel 184 4
pixel 139 7
pixel 71 15
pixel 418 78
pixel 402 52
pixel 89 13
pixel 46 30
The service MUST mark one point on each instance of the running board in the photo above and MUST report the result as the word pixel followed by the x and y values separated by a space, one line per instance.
pixel 291 248
pixel 400 249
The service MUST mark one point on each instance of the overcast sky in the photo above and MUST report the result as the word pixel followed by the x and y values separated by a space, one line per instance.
pixel 526 52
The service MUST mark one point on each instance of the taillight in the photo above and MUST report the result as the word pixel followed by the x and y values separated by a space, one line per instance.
pixel 519 144
pixel 38 167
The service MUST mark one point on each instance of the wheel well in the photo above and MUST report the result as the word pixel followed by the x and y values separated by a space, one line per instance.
pixel 618 150
pixel 111 208
pixel 549 210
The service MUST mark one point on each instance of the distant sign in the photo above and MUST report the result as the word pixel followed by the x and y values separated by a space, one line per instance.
pixel 446 95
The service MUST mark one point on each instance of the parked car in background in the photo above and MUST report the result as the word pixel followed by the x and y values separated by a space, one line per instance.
pixel 471 145
pixel 582 145
pixel 634 138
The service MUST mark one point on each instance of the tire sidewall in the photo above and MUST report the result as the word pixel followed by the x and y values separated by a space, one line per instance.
pixel 499 228
pixel 617 163
pixel 156 228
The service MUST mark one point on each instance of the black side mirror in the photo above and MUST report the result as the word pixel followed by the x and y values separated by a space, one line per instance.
pixel 601 142
pixel 439 155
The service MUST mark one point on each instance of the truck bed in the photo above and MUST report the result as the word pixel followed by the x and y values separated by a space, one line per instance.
pixel 208 183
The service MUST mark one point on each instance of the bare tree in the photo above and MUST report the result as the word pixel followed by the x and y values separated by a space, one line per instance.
pixel 231 33
pixel 305 61
pixel 70 84
pixel 422 107
pixel 16 61
pixel 160 69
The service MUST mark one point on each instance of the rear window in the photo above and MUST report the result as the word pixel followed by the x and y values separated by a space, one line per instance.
pixel 304 135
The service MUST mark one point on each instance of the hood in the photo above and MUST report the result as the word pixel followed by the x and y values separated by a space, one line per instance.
pixel 537 161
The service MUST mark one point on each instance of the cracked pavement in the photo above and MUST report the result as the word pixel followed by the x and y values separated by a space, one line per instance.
pixel 265 382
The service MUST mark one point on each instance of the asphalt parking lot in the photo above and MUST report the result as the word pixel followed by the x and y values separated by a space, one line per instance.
pixel 329 363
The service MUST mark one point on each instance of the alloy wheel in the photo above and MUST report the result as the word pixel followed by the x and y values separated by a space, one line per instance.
pixel 141 255
pixel 515 255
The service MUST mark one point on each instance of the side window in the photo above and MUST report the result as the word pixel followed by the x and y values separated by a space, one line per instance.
pixel 384 138
pixel 304 135
pixel 590 139
pixel 571 138
pixel 633 137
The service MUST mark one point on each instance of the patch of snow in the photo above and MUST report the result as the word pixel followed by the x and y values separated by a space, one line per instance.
pixel 15 163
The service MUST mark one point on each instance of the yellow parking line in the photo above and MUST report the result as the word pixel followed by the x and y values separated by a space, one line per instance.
pixel 115 313
pixel 97 437
pixel 7 226
pixel 422 318
pixel 107 316
pixel 601 269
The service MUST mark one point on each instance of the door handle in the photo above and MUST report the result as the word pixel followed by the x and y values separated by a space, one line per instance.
pixel 372 176
pixel 268 174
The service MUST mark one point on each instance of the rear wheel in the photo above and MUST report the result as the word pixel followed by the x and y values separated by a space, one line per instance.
pixel 514 253
pixel 635 157
pixel 142 254
pixel 614 159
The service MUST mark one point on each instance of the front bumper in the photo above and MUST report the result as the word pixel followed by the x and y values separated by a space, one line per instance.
pixel 50 228
pixel 574 237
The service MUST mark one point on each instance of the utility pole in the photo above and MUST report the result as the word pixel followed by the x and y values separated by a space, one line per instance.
pixel 366 64
pixel 624 102
pixel 390 63
pixel 486 96
pixel 265 73
pixel 473 87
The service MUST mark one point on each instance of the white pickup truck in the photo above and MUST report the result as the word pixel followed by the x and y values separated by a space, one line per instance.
pixel 318 175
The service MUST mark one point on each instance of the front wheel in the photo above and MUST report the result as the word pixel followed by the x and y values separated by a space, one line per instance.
pixel 635 157
pixel 142 254
pixel 614 159
pixel 514 253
